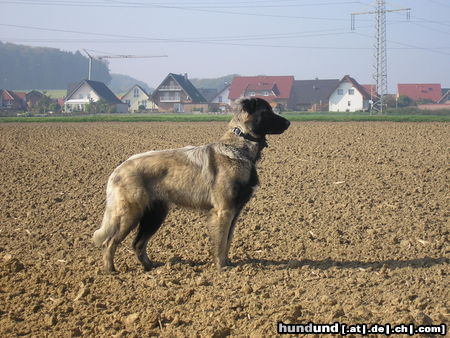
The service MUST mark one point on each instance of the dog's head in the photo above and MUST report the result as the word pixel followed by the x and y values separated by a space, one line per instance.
pixel 257 117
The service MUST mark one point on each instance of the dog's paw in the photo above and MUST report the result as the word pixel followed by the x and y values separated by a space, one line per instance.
pixel 148 267
pixel 108 272
pixel 225 268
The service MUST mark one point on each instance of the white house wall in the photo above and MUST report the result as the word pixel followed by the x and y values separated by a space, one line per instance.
pixel 224 95
pixel 84 94
pixel 346 101
pixel 141 100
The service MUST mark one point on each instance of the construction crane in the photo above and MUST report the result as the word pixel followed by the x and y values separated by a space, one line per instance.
pixel 116 56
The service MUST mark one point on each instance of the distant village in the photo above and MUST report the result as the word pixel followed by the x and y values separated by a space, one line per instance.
pixel 177 94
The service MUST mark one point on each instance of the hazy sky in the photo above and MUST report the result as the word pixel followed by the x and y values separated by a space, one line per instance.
pixel 304 38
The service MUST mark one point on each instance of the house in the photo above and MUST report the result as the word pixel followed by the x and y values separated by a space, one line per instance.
pixel 208 93
pixel 177 94
pixel 445 99
pixel 274 89
pixel 349 96
pixel 371 89
pixel 137 98
pixel 32 98
pixel 442 103
pixel 60 102
pixel 221 102
pixel 21 95
pixel 430 92
pixel 312 95
pixel 88 91
pixel 11 100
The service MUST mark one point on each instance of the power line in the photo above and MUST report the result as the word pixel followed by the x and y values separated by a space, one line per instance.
pixel 195 9
pixel 216 4
pixel 227 41
pixel 440 3
pixel 216 38
pixel 98 41
pixel 410 46
pixel 186 5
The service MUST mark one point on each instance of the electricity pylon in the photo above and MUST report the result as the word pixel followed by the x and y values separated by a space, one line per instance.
pixel 380 55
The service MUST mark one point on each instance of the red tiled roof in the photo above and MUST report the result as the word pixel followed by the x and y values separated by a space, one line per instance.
pixel 370 89
pixel 7 95
pixel 21 95
pixel 10 95
pixel 242 83
pixel 261 86
pixel 420 91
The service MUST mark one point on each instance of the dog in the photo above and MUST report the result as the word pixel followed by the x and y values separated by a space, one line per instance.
pixel 218 178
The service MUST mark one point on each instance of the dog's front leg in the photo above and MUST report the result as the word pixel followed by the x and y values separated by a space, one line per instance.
pixel 219 227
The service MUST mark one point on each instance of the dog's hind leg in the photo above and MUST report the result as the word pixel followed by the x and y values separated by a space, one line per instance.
pixel 124 224
pixel 150 222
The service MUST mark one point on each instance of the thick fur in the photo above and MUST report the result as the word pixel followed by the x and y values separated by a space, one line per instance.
pixel 219 178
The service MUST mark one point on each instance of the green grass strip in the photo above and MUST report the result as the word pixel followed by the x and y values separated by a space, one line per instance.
pixel 302 117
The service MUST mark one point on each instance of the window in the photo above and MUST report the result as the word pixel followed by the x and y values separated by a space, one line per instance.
pixel 252 93
pixel 340 91
pixel 351 92
pixel 220 99
pixel 349 103
pixel 136 92
pixel 266 93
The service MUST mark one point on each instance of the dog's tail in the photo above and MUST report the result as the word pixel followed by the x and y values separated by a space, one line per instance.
pixel 106 231
pixel 110 226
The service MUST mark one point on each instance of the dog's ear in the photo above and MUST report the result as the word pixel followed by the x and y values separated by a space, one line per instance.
pixel 248 105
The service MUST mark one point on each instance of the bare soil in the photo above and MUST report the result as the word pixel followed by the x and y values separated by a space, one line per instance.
pixel 350 224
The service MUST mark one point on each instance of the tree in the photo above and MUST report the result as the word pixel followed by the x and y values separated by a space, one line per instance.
pixel 44 68
pixel 390 100
pixel 404 101
pixel 101 106
pixel 45 104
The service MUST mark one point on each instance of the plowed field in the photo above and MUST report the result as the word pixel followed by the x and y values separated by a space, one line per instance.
pixel 350 224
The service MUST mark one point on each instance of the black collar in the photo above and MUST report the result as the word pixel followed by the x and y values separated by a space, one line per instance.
pixel 261 140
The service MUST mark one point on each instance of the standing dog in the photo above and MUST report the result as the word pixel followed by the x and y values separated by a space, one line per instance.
pixel 219 177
